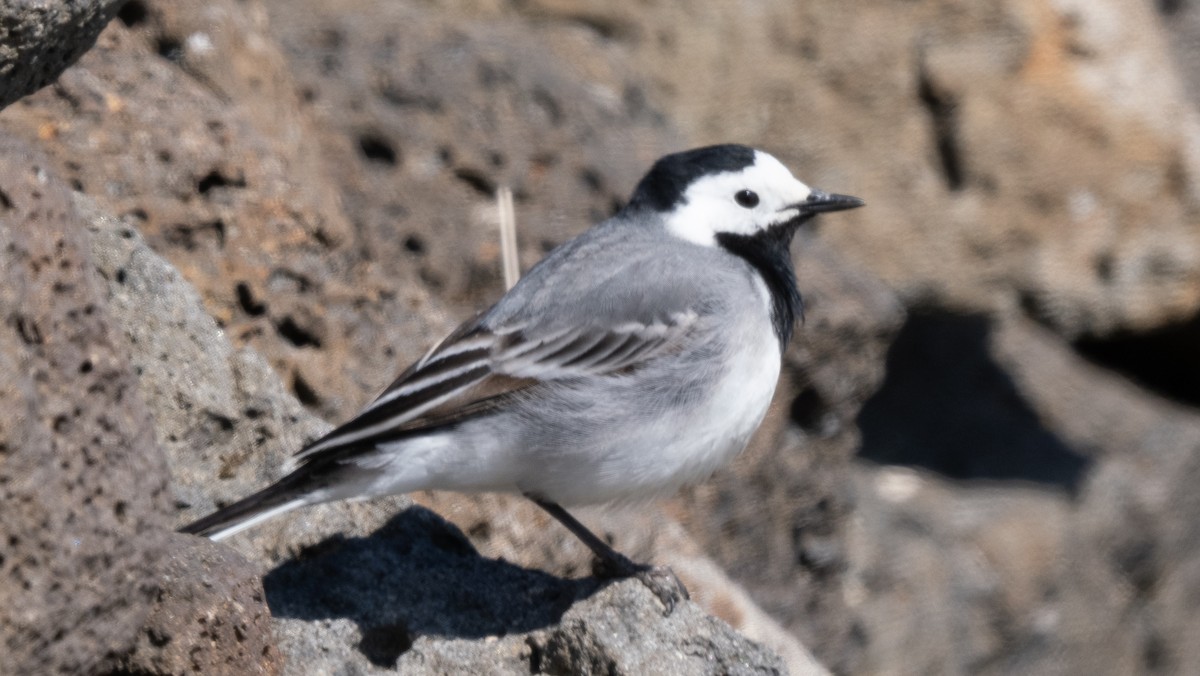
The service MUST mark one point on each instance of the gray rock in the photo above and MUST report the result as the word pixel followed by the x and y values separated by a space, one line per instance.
pixel 214 407
pixel 209 616
pixel 415 596
pixel 82 484
pixel 1065 546
pixel 426 113
pixel 1182 21
pixel 40 39
pixel 621 631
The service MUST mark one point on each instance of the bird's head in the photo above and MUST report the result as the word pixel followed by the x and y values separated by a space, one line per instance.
pixel 730 190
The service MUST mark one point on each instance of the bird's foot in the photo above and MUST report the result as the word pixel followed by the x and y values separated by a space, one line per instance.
pixel 660 580
pixel 666 586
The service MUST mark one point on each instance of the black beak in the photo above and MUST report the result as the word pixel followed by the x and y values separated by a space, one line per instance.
pixel 820 202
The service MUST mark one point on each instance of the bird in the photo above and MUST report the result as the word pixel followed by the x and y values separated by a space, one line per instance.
pixel 634 359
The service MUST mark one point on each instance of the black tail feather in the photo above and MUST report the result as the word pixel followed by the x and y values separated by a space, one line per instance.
pixel 230 519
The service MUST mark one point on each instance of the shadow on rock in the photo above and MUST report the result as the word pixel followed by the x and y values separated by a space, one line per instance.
pixel 417 575
pixel 948 406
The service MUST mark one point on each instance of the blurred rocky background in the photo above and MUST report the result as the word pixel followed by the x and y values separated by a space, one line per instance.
pixel 229 224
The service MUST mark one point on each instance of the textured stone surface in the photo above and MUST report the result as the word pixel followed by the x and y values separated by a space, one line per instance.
pixel 428 103
pixel 605 637
pixel 430 593
pixel 83 486
pixel 1182 21
pixel 1047 571
pixel 209 616
pixel 230 193
pixel 512 529
pixel 38 40
pixel 317 242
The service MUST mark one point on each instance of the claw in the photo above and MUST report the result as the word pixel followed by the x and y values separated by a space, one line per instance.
pixel 660 580
pixel 666 586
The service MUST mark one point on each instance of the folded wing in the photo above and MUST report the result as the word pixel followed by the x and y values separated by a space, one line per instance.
pixel 477 369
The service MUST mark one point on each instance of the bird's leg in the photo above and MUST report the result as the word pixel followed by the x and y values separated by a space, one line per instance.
pixel 659 579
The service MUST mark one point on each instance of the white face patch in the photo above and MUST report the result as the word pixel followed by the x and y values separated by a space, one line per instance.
pixel 709 206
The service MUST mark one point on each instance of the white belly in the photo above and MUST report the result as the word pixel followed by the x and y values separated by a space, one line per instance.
pixel 721 427
pixel 687 445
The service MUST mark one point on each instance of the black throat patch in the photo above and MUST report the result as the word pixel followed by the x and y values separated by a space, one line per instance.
pixel 769 253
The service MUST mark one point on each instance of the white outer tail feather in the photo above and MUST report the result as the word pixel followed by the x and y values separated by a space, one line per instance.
pixel 240 526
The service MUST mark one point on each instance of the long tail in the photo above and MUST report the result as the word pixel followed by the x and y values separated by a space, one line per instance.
pixel 285 495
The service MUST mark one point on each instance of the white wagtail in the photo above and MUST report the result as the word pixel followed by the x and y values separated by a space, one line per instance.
pixel 633 359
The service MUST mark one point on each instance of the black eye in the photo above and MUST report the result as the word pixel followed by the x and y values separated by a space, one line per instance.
pixel 746 198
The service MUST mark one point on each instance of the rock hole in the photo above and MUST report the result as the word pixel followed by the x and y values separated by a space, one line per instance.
pixel 170 49
pixel 323 238
pixel 303 391
pixel 215 179
pixel 158 638
pixel 401 97
pixel 480 531
pixel 414 244
pixel 476 180
pixel 1105 267
pixel 608 28
pixel 246 300
pixel 375 148
pixel 290 280
pixel 133 13
pixel 810 411
pixel 943 115
pixel 1164 360
pixel 535 655
pixel 297 335
pixel 223 422
pixel 946 405
pixel 6 202
pixel 592 180
pixel 28 329
pixel 189 237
